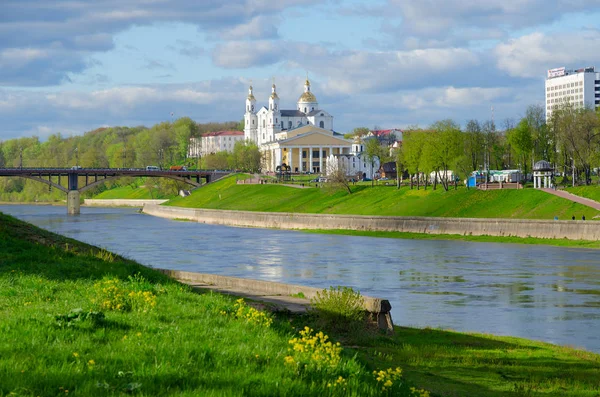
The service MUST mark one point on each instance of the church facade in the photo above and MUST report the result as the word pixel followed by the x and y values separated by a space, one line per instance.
pixel 302 138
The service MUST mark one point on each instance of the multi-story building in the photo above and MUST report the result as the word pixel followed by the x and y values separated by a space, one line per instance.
pixel 214 142
pixel 580 88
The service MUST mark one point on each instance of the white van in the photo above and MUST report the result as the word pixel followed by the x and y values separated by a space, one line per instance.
pixel 152 168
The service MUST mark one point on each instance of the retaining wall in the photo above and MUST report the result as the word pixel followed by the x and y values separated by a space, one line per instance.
pixel 572 230
pixel 379 308
pixel 121 202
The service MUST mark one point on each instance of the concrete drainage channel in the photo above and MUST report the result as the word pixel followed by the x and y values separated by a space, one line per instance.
pixel 282 296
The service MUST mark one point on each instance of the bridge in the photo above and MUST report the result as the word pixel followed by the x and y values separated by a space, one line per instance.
pixel 92 177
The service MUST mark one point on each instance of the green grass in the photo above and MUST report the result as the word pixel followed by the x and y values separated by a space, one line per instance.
pixel 482 239
pixel 458 364
pixel 59 337
pixel 128 192
pixel 591 192
pixel 191 344
pixel 385 200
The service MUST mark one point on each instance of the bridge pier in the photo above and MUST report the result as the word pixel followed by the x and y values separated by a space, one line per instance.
pixel 73 202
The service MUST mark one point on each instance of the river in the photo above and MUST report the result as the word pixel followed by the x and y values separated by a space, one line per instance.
pixel 537 292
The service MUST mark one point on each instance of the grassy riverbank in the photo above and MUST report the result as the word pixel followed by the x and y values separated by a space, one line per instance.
pixel 459 237
pixel 166 339
pixel 385 200
pixel 130 193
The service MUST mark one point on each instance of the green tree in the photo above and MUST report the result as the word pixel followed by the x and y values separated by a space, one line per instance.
pixel 358 132
pixel 373 152
pixel 521 142
pixel 474 144
pixel 412 150
pixel 246 156
pixel 445 144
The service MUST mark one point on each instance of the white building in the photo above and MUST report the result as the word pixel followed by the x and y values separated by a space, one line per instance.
pixel 580 88
pixel 214 142
pixel 302 138
pixel 354 163
pixel 262 125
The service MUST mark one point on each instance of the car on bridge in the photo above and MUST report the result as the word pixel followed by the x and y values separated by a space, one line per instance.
pixel 152 168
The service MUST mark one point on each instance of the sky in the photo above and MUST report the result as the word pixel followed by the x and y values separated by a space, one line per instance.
pixel 71 66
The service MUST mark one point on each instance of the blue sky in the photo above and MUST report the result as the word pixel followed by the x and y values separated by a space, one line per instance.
pixel 71 66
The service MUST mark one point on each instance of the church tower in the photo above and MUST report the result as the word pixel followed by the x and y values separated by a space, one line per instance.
pixel 307 101
pixel 250 118
pixel 274 115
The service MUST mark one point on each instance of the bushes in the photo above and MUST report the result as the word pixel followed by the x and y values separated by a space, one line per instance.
pixel 339 309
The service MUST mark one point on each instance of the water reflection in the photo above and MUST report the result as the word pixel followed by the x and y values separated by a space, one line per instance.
pixel 538 292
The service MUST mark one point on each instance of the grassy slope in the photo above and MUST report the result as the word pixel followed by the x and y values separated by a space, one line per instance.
pixel 385 200
pixel 591 192
pixel 127 192
pixel 186 347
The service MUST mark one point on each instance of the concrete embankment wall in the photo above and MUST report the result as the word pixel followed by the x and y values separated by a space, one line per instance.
pixel 380 308
pixel 121 202
pixel 573 230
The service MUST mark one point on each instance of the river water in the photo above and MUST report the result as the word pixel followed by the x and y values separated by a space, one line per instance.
pixel 544 293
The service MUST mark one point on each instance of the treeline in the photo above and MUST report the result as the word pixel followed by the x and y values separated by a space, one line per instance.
pixel 164 144
pixel 570 141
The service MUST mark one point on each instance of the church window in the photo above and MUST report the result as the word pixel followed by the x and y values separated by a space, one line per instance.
pixel 312 108
pixel 252 122
pixel 281 124
pixel 304 110
pixel 321 124
pixel 276 121
pixel 322 114
pixel 289 125
pixel 263 136
pixel 264 123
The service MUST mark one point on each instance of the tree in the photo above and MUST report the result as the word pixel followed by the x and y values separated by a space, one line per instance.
pixel 474 144
pixel 373 152
pixel 521 142
pixel 246 156
pixel 412 150
pixel 338 178
pixel 442 146
pixel 2 162
pixel 578 132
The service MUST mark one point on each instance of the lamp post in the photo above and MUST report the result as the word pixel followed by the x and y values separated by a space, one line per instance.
pixel 76 156
pixel 21 157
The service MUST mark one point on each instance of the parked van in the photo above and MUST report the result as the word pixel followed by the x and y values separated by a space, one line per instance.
pixel 152 168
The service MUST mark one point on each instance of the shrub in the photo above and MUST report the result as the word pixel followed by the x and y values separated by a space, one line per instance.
pixel 339 308
pixel 114 294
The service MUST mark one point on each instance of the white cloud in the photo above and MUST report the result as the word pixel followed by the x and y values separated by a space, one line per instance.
pixel 243 54
pixel 459 22
pixel 259 27
pixel 533 54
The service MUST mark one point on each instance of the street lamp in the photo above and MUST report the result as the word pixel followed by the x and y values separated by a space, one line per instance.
pixel 21 157
pixel 76 156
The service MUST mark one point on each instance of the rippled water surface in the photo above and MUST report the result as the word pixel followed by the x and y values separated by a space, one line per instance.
pixel 545 293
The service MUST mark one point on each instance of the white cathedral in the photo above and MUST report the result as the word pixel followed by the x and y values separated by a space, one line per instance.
pixel 262 126
pixel 302 138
